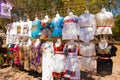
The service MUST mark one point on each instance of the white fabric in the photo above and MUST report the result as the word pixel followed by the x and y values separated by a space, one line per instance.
pixel 86 61
pixel 47 61
pixel 72 62
pixel 103 30
pixel 18 27
pixel 27 31
pixel 59 63
pixel 59 59
pixel 87 24
pixel 105 22
pixel 70 29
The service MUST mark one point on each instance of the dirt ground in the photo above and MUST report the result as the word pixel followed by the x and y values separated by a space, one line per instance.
pixel 10 73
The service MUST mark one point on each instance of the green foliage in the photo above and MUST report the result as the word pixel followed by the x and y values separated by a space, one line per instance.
pixel 116 28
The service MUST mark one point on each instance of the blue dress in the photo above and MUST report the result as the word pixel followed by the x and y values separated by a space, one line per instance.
pixel 35 28
pixel 57 27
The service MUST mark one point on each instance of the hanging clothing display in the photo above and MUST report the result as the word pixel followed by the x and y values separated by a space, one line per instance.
pixel 87 51
pixel 47 60
pixel 5 10
pixel 57 25
pixel 59 59
pixel 105 51
pixel 87 24
pixel 72 69
pixel 105 22
pixel 70 27
pixel 36 28
pixel 46 30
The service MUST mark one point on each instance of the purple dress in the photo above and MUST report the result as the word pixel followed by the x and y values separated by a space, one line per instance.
pixel 35 58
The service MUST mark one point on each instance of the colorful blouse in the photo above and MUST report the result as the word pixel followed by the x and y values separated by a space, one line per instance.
pixel 57 25
pixel 107 52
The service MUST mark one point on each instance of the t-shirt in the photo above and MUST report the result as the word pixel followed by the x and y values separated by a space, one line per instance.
pixel 35 28
pixel 5 11
pixel 27 28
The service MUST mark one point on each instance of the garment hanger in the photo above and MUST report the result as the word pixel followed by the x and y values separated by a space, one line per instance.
pixel 36 17
pixel 57 15
pixel 28 19
pixel 20 19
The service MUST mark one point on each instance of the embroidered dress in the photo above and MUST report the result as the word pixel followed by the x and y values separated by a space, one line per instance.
pixel 104 61
pixel 36 28
pixel 59 61
pixel 105 23
pixel 72 69
pixel 16 55
pixel 47 61
pixel 87 51
pixel 57 25
pixel 87 24
pixel 35 57
pixel 5 10
pixel 70 28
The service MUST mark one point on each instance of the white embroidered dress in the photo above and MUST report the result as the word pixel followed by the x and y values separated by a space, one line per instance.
pixel 72 62
pixel 59 58
pixel 47 61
